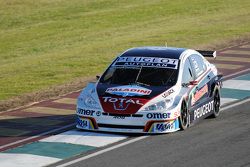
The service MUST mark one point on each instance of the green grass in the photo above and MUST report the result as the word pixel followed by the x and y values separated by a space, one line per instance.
pixel 52 42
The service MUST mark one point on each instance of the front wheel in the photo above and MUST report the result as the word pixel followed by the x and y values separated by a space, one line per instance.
pixel 216 111
pixel 183 119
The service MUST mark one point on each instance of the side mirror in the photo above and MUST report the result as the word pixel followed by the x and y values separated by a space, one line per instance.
pixel 193 82
pixel 97 77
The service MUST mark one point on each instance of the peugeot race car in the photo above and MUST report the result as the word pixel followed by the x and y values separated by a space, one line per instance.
pixel 151 90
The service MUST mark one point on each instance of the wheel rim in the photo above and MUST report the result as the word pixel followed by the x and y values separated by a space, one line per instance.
pixel 184 115
pixel 216 103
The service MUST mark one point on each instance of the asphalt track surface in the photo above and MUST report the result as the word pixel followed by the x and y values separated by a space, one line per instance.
pixel 224 141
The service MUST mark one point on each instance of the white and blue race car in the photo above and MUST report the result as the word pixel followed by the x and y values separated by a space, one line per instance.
pixel 151 90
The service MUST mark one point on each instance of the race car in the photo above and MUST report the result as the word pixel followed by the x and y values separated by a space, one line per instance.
pixel 151 90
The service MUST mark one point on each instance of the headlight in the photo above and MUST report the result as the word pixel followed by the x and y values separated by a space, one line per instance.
pixel 89 102
pixel 162 105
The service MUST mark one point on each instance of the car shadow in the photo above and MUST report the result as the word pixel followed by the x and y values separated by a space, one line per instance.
pixel 14 128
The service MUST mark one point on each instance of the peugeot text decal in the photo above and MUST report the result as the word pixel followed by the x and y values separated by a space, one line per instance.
pixel 203 110
pixel 147 62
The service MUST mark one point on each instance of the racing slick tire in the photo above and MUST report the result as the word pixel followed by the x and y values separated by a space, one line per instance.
pixel 216 111
pixel 183 119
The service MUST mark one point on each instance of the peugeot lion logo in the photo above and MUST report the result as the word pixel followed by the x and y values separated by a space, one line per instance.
pixel 120 106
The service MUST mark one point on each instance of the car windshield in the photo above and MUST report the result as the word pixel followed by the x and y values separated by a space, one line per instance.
pixel 147 76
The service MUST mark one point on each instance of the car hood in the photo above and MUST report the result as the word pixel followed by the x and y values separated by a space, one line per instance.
pixel 126 99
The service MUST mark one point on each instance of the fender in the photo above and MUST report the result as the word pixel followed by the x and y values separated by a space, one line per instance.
pixel 218 80
pixel 216 85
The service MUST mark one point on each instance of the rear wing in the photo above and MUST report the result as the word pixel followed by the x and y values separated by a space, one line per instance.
pixel 207 53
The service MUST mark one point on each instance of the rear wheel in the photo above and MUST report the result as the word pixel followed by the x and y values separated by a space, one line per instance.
pixel 183 119
pixel 216 111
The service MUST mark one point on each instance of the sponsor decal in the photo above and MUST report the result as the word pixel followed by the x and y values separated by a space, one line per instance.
pixel 129 90
pixel 158 115
pixel 198 94
pixel 119 117
pixel 203 110
pixel 147 62
pixel 121 103
pixel 176 114
pixel 192 99
pixel 196 66
pixel 168 126
pixel 84 123
pixel 164 126
pixel 85 112
pixel 167 93
pixel 98 113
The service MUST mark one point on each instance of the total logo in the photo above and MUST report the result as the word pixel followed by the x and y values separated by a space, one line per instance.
pixel 121 103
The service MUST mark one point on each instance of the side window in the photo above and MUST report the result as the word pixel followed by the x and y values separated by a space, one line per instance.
pixel 198 64
pixel 187 75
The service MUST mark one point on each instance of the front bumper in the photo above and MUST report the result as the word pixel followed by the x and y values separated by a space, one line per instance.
pixel 127 124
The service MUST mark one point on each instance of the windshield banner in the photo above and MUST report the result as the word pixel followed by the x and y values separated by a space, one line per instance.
pixel 157 62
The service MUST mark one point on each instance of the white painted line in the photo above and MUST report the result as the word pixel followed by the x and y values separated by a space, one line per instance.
pixel 237 84
pixel 39 135
pixel 85 138
pixel 131 141
pixel 235 104
pixel 227 100
pixel 25 160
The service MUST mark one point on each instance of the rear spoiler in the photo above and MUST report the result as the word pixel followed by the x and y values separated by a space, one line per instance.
pixel 207 53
